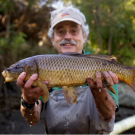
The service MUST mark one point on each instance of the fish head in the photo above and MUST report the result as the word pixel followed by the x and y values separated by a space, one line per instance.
pixel 26 65
pixel 12 73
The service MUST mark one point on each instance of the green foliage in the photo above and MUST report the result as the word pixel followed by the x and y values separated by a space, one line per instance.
pixel 10 49
pixel 23 24
pixel 6 5
pixel 112 27
pixel 15 41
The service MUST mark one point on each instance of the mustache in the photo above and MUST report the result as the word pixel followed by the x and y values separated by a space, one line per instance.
pixel 65 41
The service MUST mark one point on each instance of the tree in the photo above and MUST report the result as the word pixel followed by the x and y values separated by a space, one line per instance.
pixel 112 27
pixel 23 33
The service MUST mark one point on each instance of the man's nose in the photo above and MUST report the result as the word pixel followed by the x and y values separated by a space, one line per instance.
pixel 67 35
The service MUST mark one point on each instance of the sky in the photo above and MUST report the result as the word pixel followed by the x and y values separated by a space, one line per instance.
pixel 57 4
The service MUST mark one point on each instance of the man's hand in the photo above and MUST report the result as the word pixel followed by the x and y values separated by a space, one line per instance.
pixel 110 78
pixel 103 101
pixel 29 93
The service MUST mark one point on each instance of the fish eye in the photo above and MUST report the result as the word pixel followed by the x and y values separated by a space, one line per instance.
pixel 16 67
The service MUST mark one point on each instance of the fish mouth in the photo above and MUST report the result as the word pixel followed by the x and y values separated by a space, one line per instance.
pixel 7 76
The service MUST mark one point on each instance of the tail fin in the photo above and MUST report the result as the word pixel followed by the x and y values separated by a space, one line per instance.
pixel 132 85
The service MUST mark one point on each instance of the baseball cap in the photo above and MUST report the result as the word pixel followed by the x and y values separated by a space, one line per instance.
pixel 67 15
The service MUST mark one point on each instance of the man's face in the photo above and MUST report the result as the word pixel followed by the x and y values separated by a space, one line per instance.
pixel 68 37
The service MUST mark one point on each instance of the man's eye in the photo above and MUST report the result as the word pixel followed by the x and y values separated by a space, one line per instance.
pixel 74 31
pixel 61 31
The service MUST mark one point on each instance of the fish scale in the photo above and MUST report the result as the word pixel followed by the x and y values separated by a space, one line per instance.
pixel 68 71
pixel 76 69
pixel 71 69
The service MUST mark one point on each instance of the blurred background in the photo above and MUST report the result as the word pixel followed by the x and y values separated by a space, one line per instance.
pixel 23 33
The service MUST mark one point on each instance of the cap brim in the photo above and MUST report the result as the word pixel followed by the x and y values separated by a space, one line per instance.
pixel 67 19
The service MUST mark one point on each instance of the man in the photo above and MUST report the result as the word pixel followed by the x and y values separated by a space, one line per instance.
pixel 95 109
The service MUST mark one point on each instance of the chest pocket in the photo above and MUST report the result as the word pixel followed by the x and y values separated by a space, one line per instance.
pixel 58 97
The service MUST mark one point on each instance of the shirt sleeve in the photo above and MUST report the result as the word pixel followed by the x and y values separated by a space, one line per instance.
pixel 40 98
pixel 115 97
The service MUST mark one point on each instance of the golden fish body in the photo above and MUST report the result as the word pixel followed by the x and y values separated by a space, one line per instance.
pixel 73 71
pixel 69 71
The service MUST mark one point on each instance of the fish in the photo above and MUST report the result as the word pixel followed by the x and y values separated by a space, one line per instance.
pixel 68 70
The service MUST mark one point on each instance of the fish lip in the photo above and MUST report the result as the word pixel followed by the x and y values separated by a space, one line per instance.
pixel 6 76
pixel 9 79
pixel 4 73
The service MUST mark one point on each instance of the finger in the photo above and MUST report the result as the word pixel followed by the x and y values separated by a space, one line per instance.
pixel 20 79
pixel 30 81
pixel 46 82
pixel 114 77
pixel 108 78
pixel 90 81
pixel 99 79
pixel 113 58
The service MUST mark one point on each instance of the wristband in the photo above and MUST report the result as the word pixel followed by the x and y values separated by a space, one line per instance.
pixel 26 105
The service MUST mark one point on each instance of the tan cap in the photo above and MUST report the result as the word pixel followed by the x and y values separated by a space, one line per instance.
pixel 67 15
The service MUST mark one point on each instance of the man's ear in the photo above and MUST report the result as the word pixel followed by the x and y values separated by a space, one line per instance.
pixel 84 38
pixel 52 39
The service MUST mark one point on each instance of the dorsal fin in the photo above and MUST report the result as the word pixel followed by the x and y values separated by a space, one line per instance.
pixel 103 57
pixel 95 56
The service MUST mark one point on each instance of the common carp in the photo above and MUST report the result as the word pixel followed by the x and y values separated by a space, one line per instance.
pixel 68 70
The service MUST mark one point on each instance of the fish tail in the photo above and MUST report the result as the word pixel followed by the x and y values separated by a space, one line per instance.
pixel 70 94
pixel 132 84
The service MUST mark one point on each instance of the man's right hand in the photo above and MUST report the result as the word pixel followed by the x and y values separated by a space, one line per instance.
pixel 29 93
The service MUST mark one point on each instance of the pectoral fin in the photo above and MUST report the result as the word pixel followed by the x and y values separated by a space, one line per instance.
pixel 109 87
pixel 42 86
pixel 70 94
